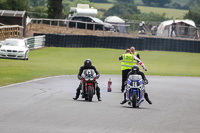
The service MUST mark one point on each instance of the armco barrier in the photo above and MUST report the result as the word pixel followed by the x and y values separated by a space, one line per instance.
pixel 140 43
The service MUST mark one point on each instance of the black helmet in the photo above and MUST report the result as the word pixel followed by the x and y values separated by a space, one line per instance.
pixel 135 69
pixel 87 63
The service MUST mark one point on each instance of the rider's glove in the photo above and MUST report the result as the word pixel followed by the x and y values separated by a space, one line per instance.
pixel 79 77
pixel 146 81
pixel 98 76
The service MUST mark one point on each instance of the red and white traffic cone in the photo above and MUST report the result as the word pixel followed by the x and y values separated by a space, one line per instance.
pixel 109 85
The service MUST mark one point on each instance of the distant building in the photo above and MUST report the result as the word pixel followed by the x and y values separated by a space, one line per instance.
pixel 8 17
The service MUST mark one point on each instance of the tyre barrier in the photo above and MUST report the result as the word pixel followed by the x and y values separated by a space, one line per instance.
pixel 140 43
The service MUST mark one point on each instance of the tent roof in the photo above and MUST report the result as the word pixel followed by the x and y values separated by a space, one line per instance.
pixel 169 22
pixel 114 19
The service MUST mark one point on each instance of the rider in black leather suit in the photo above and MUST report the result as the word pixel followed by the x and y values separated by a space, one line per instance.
pixel 87 65
pixel 135 70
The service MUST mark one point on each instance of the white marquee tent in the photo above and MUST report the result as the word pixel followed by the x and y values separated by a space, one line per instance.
pixel 184 28
pixel 117 22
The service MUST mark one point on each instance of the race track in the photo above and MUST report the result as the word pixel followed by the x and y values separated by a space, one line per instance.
pixel 46 106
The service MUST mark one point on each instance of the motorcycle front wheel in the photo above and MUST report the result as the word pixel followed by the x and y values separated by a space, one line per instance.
pixel 90 93
pixel 134 99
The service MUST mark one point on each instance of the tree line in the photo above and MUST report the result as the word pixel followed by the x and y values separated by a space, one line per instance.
pixel 157 3
pixel 126 9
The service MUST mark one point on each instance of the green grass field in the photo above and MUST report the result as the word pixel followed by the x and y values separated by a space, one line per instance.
pixel 182 2
pixel 66 61
pixel 170 13
pixel 104 6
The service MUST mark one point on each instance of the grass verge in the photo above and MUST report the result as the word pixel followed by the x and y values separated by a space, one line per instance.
pixel 54 61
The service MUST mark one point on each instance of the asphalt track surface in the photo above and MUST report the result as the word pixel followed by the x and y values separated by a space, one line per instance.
pixel 46 106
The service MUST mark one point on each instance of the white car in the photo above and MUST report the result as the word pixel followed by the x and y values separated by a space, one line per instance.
pixel 14 48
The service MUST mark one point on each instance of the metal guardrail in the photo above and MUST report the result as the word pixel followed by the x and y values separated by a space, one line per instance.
pixel 11 31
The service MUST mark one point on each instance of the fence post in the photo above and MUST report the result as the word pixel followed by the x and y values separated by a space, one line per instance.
pixel 86 27
pixel 76 25
pixel 93 26
pixel 58 23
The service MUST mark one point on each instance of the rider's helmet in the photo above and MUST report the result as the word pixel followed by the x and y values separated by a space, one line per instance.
pixel 87 63
pixel 135 69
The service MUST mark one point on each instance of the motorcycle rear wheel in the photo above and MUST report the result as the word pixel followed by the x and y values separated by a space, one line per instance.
pixel 90 93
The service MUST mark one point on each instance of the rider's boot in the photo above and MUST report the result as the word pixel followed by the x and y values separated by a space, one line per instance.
pixel 76 97
pixel 98 97
pixel 98 93
pixel 123 102
pixel 77 93
pixel 147 98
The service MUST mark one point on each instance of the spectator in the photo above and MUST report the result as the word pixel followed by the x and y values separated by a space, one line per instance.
pixel 142 29
pixel 173 28
pixel 154 30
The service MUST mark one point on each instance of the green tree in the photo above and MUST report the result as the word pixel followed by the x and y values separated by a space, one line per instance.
pixel 54 9
pixel 123 9
pixel 194 13
pixel 160 3
pixel 99 1
pixel 151 17
pixel 19 5
pixel 2 4
pixel 38 12
pixel 36 3
pixel 147 2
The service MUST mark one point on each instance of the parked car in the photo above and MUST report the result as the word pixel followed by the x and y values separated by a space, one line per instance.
pixel 14 48
pixel 92 23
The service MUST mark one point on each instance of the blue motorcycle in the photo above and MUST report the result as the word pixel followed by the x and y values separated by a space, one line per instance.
pixel 135 90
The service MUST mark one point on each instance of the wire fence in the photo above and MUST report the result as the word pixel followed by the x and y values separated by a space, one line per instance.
pixel 128 28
